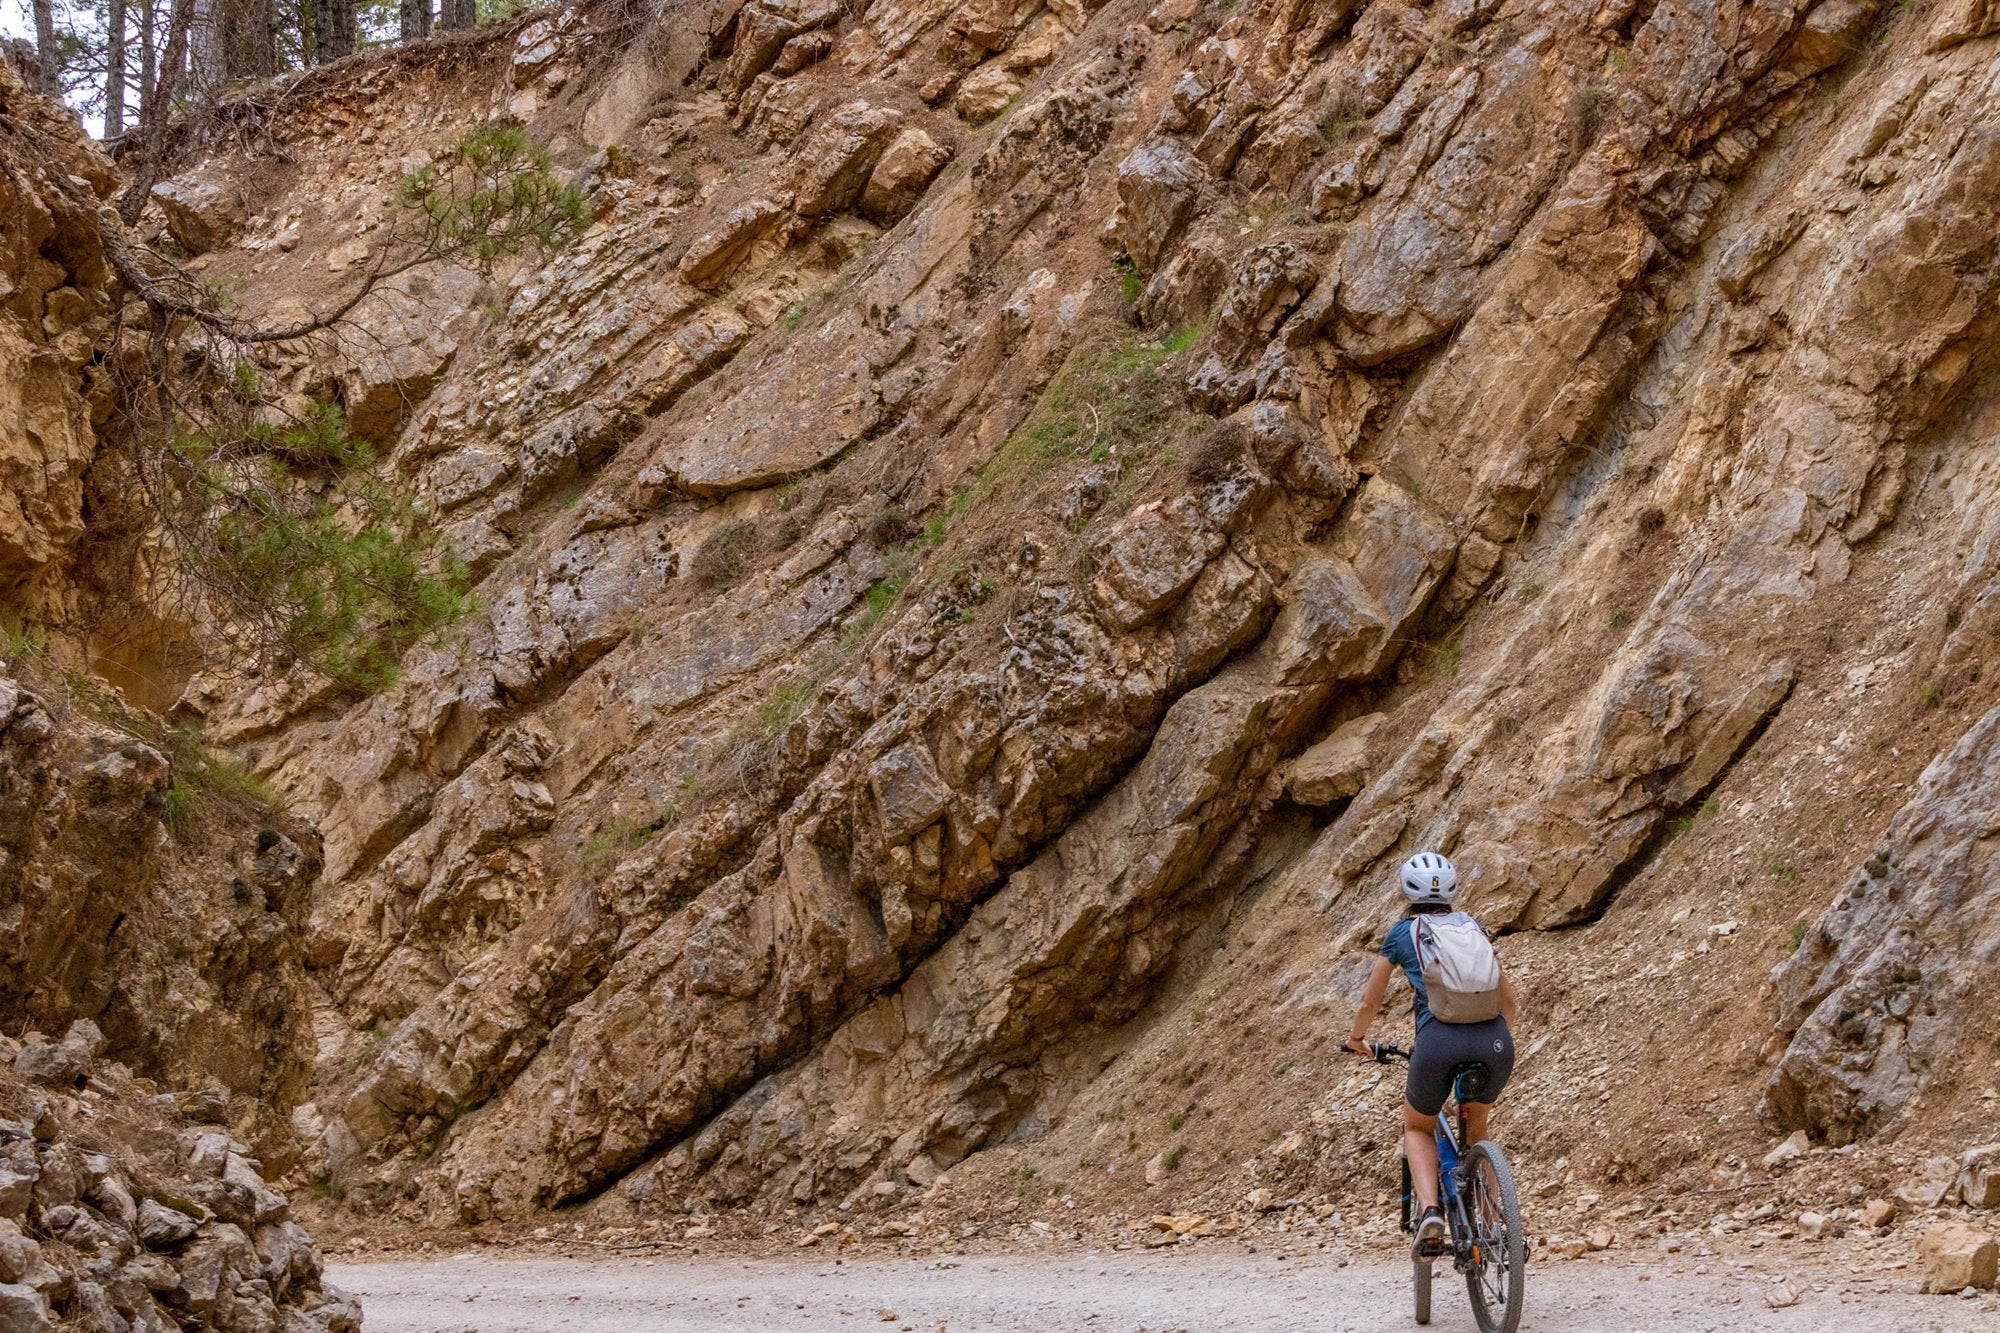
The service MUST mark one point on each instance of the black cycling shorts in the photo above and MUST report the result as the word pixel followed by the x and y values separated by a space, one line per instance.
pixel 1443 1047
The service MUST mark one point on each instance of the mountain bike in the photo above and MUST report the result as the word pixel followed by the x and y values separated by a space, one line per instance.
pixel 1481 1210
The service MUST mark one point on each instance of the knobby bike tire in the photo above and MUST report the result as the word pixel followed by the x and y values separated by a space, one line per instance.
pixel 1495 1207
pixel 1422 1282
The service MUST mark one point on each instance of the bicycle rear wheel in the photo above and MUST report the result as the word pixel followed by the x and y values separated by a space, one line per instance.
pixel 1495 1278
pixel 1422 1275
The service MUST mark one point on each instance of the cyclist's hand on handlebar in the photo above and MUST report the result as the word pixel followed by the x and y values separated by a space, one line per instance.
pixel 1361 1050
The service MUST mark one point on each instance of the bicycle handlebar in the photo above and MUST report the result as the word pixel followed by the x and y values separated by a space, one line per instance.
pixel 1387 1051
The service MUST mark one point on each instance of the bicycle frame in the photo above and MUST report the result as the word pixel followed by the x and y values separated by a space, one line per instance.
pixel 1476 1192
pixel 1451 1184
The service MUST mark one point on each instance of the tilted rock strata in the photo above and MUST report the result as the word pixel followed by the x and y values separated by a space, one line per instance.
pixel 1490 296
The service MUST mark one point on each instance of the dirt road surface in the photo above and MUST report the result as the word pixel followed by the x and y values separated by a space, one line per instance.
pixel 1109 1293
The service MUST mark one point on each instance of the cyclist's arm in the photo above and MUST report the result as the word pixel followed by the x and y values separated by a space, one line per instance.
pixel 1509 1009
pixel 1371 1004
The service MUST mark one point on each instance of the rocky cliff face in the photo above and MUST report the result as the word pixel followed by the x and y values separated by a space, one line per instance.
pixel 1014 519
pixel 182 948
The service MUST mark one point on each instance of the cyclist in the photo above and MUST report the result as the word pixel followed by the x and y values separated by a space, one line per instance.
pixel 1430 886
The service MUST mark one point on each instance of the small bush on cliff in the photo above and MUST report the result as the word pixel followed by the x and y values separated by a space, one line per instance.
pixel 305 546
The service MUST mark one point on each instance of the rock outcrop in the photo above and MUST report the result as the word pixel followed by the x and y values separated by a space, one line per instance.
pixel 1011 521
pixel 115 1213
pixel 180 956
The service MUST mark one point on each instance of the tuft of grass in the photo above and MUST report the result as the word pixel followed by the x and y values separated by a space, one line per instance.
pixel 1589 106
pixel 785 705
pixel 179 809
pixel 1931 695
pixel 20 644
pixel 1798 936
pixel 1174 1157
pixel 607 845
pixel 1175 1121
pixel 1130 285
pixel 881 599
pixel 327 1188
pixel 719 561
pixel 1782 869
pixel 1531 590
pixel 1620 620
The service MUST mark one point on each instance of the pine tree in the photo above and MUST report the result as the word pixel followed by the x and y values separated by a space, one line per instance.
pixel 45 47
pixel 416 19
pixel 114 70
pixel 457 14
pixel 333 29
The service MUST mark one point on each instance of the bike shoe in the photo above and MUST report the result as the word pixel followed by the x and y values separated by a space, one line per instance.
pixel 1430 1232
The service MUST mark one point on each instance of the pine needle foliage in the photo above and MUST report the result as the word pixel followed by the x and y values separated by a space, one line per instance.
pixel 290 528
pixel 489 195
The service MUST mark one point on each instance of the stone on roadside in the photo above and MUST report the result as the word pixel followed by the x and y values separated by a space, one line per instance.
pixel 1953 1256
pixel 201 212
pixel 1336 767
pixel 1600 1238
pixel 22 1309
pixel 901 175
pixel 1878 1213
pixel 1781 1295
pixel 1790 1150
pixel 1979 1176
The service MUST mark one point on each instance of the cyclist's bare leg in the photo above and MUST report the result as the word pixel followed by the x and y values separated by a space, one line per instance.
pixel 1422 1150
pixel 1475 1121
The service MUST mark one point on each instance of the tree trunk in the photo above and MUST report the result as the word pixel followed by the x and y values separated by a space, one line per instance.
pixel 45 46
pixel 148 57
pixel 454 15
pixel 249 38
pixel 264 40
pixel 114 71
pixel 333 30
pixel 155 111
pixel 208 45
pixel 416 18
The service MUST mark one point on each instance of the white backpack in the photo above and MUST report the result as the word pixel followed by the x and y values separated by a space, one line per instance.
pixel 1461 972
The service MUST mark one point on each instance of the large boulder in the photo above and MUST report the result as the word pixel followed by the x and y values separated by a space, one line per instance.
pixel 1955 1256
pixel 1149 559
pixel 407 338
pixel 1158 185
pixel 203 210
pixel 836 161
pixel 715 254
pixel 1338 766
pixel 901 175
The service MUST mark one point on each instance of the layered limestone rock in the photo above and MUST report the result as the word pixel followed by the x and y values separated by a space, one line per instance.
pixel 938 581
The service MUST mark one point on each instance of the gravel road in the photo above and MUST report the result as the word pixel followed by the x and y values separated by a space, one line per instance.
pixel 1108 1293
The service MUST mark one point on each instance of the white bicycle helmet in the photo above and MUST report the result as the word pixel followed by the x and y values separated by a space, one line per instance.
pixel 1429 878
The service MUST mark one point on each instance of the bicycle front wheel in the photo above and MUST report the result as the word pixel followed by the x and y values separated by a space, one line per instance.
pixel 1499 1247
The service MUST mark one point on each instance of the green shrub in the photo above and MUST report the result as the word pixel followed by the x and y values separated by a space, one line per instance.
pixel 344 571
pixel 488 195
